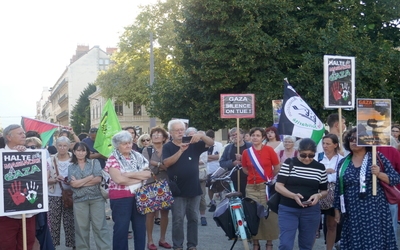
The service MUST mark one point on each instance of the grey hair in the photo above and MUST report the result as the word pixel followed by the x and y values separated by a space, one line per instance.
pixel 290 137
pixel 63 139
pixel 121 137
pixel 191 129
pixel 173 122
pixel 233 130
pixel 7 131
pixel 139 141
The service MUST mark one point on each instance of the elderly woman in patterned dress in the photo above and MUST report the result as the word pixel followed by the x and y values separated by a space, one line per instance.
pixel 366 219
pixel 58 176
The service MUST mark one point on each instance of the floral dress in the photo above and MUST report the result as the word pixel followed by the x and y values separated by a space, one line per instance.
pixel 367 223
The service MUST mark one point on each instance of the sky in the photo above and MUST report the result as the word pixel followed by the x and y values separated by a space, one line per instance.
pixel 38 39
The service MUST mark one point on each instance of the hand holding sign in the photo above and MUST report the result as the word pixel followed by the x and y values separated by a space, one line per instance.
pixel 17 196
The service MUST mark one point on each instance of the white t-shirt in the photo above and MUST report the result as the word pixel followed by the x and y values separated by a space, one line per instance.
pixel 214 165
pixel 63 171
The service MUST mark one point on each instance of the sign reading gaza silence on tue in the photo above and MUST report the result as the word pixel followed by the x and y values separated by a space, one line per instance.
pixel 237 106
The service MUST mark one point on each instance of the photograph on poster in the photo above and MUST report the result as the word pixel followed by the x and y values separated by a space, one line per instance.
pixel 373 122
pixel 276 110
pixel 24 182
pixel 339 81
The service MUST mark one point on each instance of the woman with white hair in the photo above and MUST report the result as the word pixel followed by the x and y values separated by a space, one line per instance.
pixel 288 151
pixel 57 182
pixel 126 168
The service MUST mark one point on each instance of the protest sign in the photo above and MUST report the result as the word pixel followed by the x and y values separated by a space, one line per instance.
pixel 339 81
pixel 237 106
pixel 373 122
pixel 23 181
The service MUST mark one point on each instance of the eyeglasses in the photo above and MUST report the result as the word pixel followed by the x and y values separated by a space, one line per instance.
pixel 288 142
pixel 31 147
pixel 352 139
pixel 62 146
pixel 157 135
pixel 304 155
pixel 143 140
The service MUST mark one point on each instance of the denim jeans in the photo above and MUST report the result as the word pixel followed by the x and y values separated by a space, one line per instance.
pixel 124 211
pixel 189 207
pixel 393 211
pixel 306 220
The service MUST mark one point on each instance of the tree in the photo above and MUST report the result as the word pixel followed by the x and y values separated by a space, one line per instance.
pixel 249 46
pixel 80 113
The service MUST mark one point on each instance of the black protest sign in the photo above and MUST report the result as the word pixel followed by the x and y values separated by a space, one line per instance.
pixel 237 106
pixel 339 81
pixel 24 182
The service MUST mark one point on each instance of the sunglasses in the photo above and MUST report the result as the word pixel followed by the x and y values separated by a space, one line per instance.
pixel 304 155
pixel 31 147
pixel 352 138
pixel 143 140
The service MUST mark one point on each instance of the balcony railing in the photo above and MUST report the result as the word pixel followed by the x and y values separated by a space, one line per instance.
pixel 62 98
pixel 62 115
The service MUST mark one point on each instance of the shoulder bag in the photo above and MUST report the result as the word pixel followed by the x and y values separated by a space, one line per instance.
pixel 275 199
pixel 392 193
pixel 66 194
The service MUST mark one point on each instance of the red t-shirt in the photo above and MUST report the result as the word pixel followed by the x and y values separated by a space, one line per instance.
pixel 268 158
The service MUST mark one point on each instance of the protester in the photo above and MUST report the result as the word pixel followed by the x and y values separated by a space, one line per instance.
pixel 366 218
pixel 94 154
pixel 182 162
pixel 59 177
pixel 261 164
pixel 273 138
pixel 132 131
pixel 127 168
pixel 143 141
pixel 289 151
pixel 301 188
pixel 153 154
pixel 85 176
pixel 330 158
pixel 11 226
pixel 230 158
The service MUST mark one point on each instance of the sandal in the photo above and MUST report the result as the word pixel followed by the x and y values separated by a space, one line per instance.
pixel 256 246
pixel 269 246
pixel 317 235
pixel 157 221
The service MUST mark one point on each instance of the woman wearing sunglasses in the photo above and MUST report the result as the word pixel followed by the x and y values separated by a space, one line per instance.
pixel 367 222
pixel 144 141
pixel 302 181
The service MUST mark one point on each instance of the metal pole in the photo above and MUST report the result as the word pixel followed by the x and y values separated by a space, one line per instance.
pixel 152 119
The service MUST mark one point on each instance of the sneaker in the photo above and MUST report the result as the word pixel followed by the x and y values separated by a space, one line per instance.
pixel 209 204
pixel 203 221
pixel 212 208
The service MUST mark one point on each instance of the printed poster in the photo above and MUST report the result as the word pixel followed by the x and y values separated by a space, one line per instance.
pixel 373 122
pixel 276 110
pixel 23 182
pixel 339 82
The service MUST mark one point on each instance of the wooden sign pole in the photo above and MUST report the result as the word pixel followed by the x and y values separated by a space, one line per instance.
pixel 24 231
pixel 238 148
pixel 341 131
pixel 373 176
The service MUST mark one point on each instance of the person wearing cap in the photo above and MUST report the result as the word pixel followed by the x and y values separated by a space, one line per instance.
pixel 94 154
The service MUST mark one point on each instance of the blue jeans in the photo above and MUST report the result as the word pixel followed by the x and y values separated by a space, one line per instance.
pixel 124 211
pixel 189 207
pixel 306 220
pixel 394 212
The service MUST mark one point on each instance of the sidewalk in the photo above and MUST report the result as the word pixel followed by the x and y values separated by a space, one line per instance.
pixel 211 237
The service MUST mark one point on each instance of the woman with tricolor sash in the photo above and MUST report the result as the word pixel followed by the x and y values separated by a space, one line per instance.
pixel 367 222
pixel 261 164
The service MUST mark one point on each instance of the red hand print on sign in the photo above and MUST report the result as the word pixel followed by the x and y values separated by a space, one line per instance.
pixel 17 196
pixel 336 90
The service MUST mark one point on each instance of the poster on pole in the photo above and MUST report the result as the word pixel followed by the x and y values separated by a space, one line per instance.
pixel 237 106
pixel 276 110
pixel 23 182
pixel 339 81
pixel 373 122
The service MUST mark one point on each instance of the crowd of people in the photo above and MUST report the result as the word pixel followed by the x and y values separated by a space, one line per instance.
pixel 330 186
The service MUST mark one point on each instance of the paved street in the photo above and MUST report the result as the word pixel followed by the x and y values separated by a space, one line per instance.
pixel 210 237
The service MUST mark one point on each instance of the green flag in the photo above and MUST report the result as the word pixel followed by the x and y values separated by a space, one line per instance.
pixel 109 126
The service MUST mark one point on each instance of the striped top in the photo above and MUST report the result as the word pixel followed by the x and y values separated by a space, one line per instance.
pixel 304 179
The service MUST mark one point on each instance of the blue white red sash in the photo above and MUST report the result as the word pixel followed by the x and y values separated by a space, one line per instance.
pixel 255 159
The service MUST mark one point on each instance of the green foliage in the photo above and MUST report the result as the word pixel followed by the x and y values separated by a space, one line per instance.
pixel 80 113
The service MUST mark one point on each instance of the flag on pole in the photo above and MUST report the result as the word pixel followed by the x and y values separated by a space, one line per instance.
pixel 297 118
pixel 45 129
pixel 109 126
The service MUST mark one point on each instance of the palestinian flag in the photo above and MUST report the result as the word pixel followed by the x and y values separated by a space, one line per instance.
pixel 297 118
pixel 109 126
pixel 45 129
